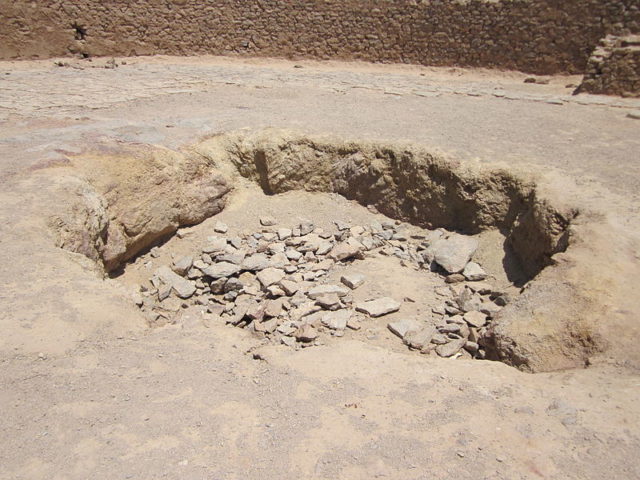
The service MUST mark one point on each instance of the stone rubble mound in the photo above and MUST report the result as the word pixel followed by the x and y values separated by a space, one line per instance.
pixel 273 282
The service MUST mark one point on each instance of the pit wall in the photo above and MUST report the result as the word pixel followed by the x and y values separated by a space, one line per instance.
pixel 537 36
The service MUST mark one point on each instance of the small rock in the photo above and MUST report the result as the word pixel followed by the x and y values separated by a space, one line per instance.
pixel 275 291
pixel 475 319
pixel 329 301
pixel 267 221
pixel 471 347
pixel 279 260
pixel 336 320
pixel 220 227
pixel 341 225
pixel 378 307
pixel 324 248
pixel 451 348
pixel 474 272
pixel 319 290
pixel 233 285
pixel 221 270
pixel 344 251
pixel 418 339
pixel 439 339
pixel 357 230
pixel 352 280
pixel 306 227
pixel 215 245
pixel 454 252
pixel 182 265
pixel 289 287
pixel 454 278
pixel 306 334
pixel 183 287
pixel 256 262
pixel 288 341
pixel 468 301
pixel 489 308
pixel 353 323
pixel 256 311
pixel 164 291
pixel 274 307
pixel 635 114
pixel 403 327
pixel 284 233
pixel 293 254
pixel 450 328
pixel 269 276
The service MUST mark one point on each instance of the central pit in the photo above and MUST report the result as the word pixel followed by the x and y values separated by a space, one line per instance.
pixel 164 222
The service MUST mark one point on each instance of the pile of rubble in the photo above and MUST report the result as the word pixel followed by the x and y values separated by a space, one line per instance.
pixel 273 282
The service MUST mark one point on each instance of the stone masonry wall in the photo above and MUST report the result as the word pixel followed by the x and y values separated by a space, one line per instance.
pixel 538 36
pixel 614 67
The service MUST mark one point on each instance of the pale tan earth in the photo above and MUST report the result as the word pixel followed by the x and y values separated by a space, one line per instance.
pixel 90 391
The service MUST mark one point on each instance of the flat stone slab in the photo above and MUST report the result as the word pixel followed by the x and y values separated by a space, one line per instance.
pixel 474 272
pixel 183 287
pixel 454 252
pixel 316 292
pixel 344 251
pixel 475 319
pixel 378 307
pixel 256 262
pixel 336 320
pixel 182 265
pixel 352 280
pixel 451 348
pixel 402 327
pixel 419 338
pixel 221 270
pixel 269 276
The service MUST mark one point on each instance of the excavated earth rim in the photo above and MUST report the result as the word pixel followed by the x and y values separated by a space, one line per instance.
pixel 129 198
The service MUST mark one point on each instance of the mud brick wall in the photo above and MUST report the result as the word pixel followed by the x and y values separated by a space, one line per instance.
pixel 538 36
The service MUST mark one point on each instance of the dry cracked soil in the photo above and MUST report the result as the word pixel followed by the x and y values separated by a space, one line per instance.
pixel 112 169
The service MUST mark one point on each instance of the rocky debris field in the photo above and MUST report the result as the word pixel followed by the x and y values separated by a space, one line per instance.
pixel 275 283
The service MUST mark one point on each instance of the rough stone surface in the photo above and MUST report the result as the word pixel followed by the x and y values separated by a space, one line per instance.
pixel 474 272
pixel 475 319
pixel 454 252
pixel 419 338
pixel 336 320
pixel 614 67
pixel 451 348
pixel 404 326
pixel 221 270
pixel 269 276
pixel 183 288
pixel 352 280
pixel 319 290
pixel 182 265
pixel 378 307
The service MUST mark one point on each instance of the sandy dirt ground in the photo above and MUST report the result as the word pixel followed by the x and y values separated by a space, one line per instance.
pixel 89 391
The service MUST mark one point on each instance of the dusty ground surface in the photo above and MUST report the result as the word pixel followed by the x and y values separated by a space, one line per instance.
pixel 108 397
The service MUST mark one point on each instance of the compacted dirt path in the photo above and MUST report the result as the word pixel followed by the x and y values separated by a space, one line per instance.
pixel 89 390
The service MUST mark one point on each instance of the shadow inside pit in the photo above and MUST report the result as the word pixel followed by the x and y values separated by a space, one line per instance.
pixel 512 266
pixel 119 269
